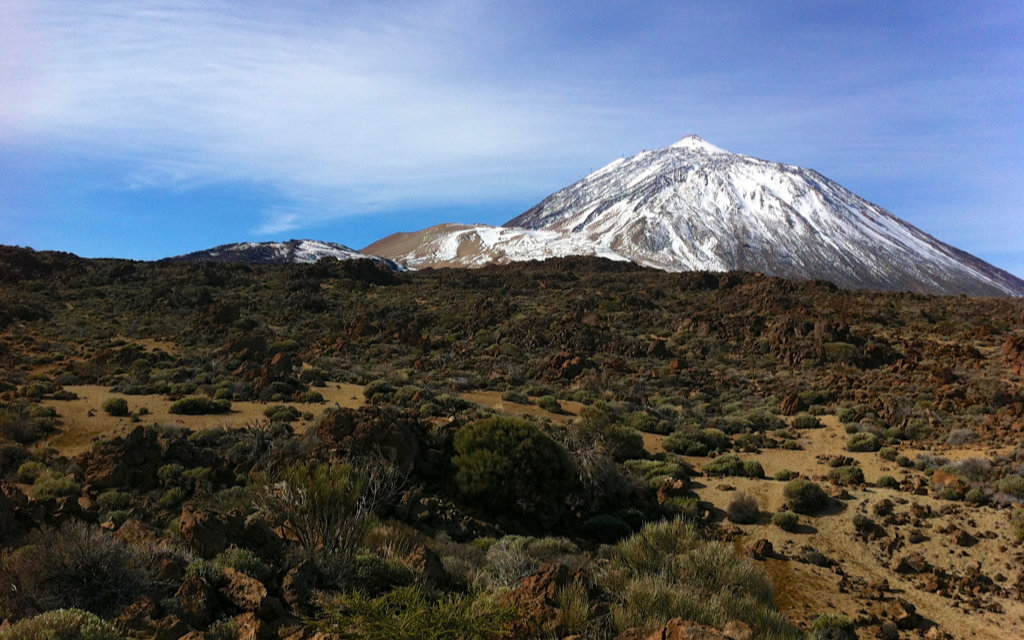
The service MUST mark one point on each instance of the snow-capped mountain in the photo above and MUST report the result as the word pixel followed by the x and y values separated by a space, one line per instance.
pixel 460 245
pixel 292 251
pixel 694 206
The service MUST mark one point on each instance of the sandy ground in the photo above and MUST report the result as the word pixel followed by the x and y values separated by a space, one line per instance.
pixel 492 399
pixel 805 590
pixel 83 420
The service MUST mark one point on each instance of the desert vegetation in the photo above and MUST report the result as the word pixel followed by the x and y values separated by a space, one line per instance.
pixel 532 451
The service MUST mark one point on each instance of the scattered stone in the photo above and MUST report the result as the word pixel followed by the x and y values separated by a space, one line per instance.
pixel 536 599
pixel 762 549
pixel 910 563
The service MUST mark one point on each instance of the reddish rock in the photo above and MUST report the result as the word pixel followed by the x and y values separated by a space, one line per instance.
pixel 536 599
pixel 208 532
pixel 1013 354
pixel 737 630
pixel 910 563
pixel 199 602
pixel 762 549
pixel 428 565
pixel 942 478
pixel 250 627
pixel 963 539
pixel 791 405
pixel 672 488
pixel 243 591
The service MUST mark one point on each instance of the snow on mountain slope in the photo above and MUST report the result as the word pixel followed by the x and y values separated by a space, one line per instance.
pixel 458 245
pixel 292 251
pixel 694 206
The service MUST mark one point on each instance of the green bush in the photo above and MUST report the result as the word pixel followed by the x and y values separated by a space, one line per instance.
pixel 888 453
pixel 785 475
pixel 729 464
pixel 1011 485
pixel 116 406
pixel 407 613
pixel 245 561
pixel 887 482
pixel 515 397
pixel 805 496
pixel 170 473
pixel 806 421
pixel 863 441
pixel 501 462
pixel 114 500
pixel 281 413
pixel 52 485
pixel 30 471
pixel 832 627
pixel 785 520
pixel 61 624
pixel 200 405
pixel 549 403
pixel 847 476
pixel 322 507
pixel 743 509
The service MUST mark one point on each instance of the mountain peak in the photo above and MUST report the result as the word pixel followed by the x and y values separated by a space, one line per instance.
pixel 694 142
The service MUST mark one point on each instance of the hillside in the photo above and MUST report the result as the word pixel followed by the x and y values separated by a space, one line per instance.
pixel 577 446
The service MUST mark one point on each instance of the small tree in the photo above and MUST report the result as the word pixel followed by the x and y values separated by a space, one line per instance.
pixel 322 506
pixel 508 463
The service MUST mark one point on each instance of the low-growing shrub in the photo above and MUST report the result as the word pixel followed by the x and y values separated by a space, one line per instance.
pixel 116 406
pixel 743 509
pixel 846 476
pixel 281 413
pixel 887 482
pixel 1011 485
pixel 54 485
pixel 832 627
pixel 785 520
pixel 888 453
pixel 30 471
pixel 961 436
pixel 77 566
pixel 729 464
pixel 549 403
pixel 805 496
pixel 408 613
pixel 806 421
pixel 61 624
pixel 114 500
pixel 199 405
pixel 863 441
pixel 515 397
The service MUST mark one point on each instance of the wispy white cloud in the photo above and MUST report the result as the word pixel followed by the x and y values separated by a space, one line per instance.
pixel 356 107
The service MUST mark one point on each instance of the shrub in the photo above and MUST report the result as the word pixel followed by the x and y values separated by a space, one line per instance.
pixel 30 471
pixel 846 476
pixel 408 613
pixel 863 441
pixel 311 397
pixel 171 498
pixel 1017 523
pixel 743 509
pixel 1011 485
pixel 516 397
pixel 805 496
pixel 170 473
pixel 785 520
pixel 320 506
pixel 729 464
pixel 116 406
pixel 549 403
pixel 200 405
pixel 976 496
pixel 883 508
pixel 281 413
pixel 806 421
pixel 503 461
pixel 832 627
pixel 52 485
pixel 114 500
pixel 887 482
pixel 977 469
pixel 77 566
pixel 61 624
pixel 961 436
pixel 888 453
pixel 785 475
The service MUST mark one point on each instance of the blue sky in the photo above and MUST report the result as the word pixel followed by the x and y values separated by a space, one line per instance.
pixel 143 129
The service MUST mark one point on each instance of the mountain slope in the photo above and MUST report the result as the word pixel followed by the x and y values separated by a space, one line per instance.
pixel 694 206
pixel 459 245
pixel 292 251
